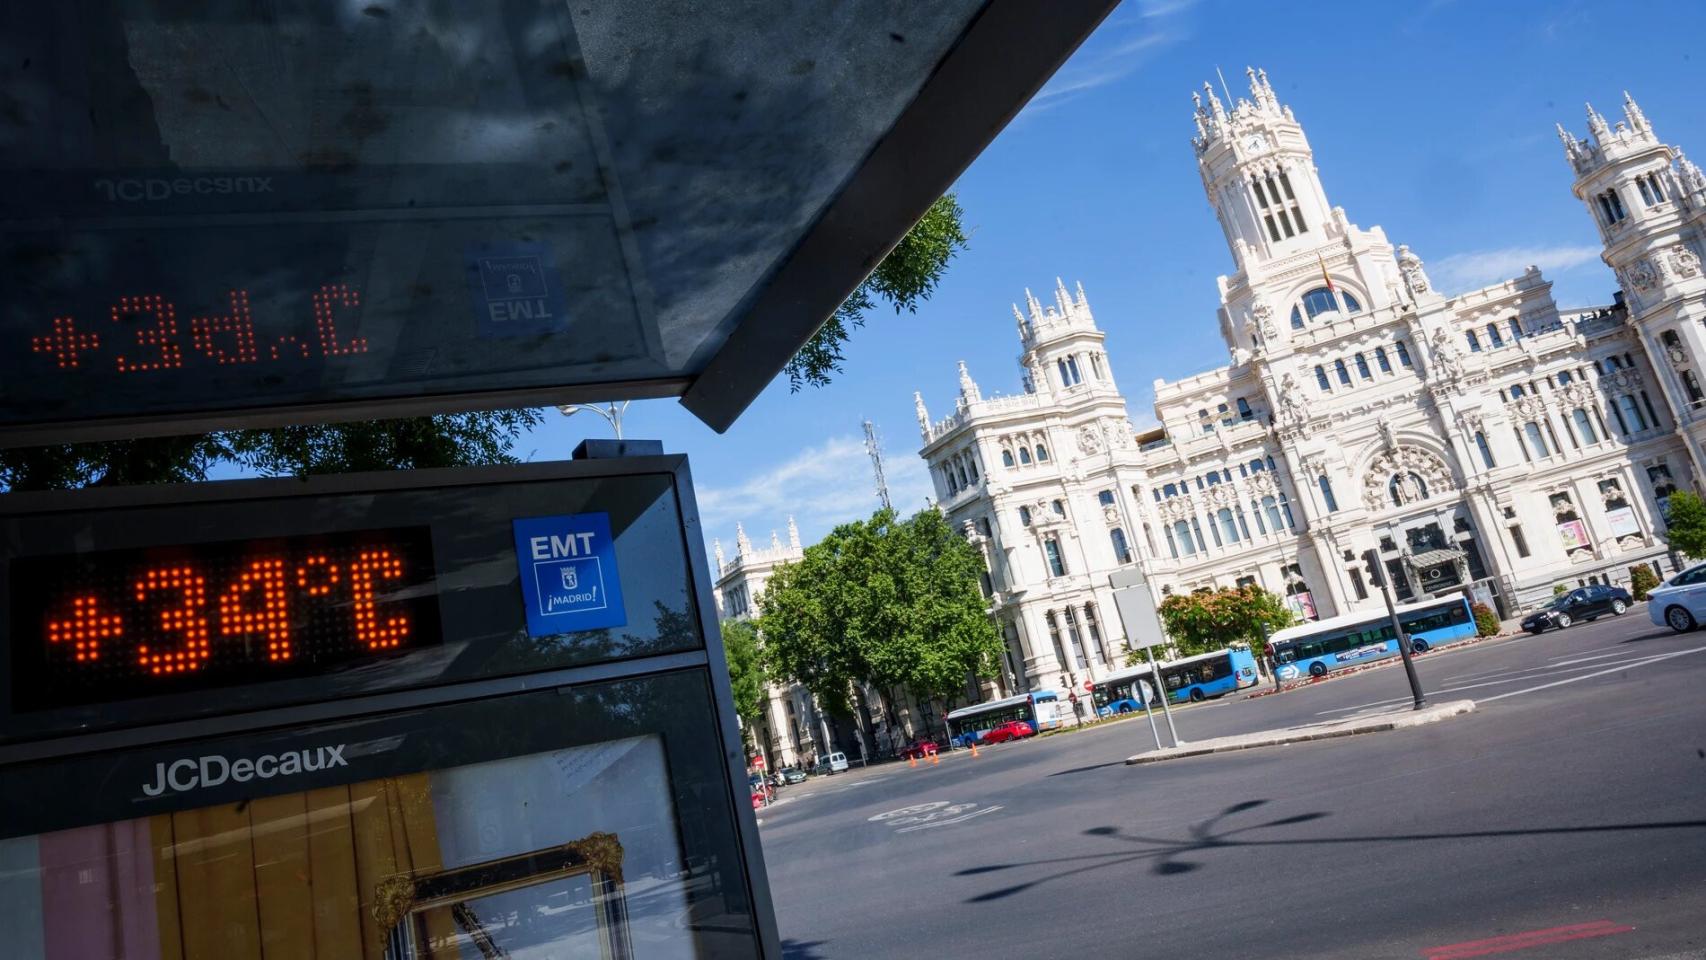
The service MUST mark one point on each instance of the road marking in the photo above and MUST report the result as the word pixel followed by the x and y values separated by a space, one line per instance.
pixel 1578 653
pixel 1524 941
pixel 1589 676
pixel 1633 661
pixel 1603 656
pixel 942 823
pixel 913 810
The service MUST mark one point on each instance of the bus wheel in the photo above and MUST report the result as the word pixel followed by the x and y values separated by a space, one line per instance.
pixel 1317 669
pixel 1418 646
pixel 1125 708
pixel 1196 695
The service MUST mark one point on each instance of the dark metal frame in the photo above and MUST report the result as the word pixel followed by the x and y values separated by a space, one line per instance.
pixel 712 660
pixel 1010 49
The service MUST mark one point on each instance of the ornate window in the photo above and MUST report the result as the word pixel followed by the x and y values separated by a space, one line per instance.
pixel 1025 516
pixel 1228 526
pixel 1403 353
pixel 1024 455
pixel 1474 341
pixel 1056 563
pixel 1122 551
pixel 1536 441
pixel 1486 451
pixel 1584 426
pixel 1362 367
pixel 1493 336
pixel 1182 534
pixel 1006 457
pixel 1320 300
pixel 1343 373
pixel 1327 493
pixel 1278 205
pixel 1042 453
pixel 1380 359
pixel 1321 379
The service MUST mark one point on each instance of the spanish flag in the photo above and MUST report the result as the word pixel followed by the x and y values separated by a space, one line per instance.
pixel 1324 276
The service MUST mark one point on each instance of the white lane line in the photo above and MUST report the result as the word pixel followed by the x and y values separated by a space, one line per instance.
pixel 1577 653
pixel 1590 676
pixel 1537 671
pixel 942 823
pixel 1603 656
pixel 1485 676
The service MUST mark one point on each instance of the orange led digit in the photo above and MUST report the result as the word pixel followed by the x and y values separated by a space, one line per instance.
pixel 272 620
pixel 86 629
pixel 163 335
pixel 239 323
pixel 186 619
pixel 327 575
pixel 375 564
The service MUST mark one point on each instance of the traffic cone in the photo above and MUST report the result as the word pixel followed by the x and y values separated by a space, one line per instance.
pixel 911 760
pixel 974 749
pixel 935 757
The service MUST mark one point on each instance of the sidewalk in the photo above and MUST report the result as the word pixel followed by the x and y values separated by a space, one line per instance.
pixel 1392 720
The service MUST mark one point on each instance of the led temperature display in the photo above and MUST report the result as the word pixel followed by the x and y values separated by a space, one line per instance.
pixel 120 624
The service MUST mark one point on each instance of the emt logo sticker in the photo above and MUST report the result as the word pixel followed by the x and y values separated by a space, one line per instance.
pixel 568 573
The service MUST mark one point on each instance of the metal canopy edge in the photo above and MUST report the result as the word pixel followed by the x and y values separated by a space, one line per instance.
pixel 1009 51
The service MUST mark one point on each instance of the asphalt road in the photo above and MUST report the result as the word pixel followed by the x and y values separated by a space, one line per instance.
pixel 1565 819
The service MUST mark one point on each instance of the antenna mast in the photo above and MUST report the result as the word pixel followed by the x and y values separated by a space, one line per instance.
pixel 876 454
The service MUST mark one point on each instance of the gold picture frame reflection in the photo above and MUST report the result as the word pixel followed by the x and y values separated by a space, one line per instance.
pixel 569 895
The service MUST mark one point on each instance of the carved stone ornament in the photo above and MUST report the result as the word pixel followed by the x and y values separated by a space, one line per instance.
pixel 1643 275
pixel 1562 508
pixel 1448 361
pixel 1528 408
pixel 1292 415
pixel 1471 421
pixel 1684 261
pixel 1612 493
pixel 1410 266
pixel 1176 508
pixel 1413 468
pixel 1264 314
pixel 1220 495
pixel 1677 356
pixel 1261 484
pixel 1578 394
pixel 1623 379
pixel 1089 441
pixel 1111 513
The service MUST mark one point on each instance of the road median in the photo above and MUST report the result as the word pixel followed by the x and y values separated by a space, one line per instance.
pixel 1376 723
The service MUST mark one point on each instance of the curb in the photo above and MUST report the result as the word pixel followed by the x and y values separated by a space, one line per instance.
pixel 1328 731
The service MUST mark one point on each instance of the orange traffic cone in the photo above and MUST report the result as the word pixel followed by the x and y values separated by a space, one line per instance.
pixel 911 760
pixel 974 749
pixel 935 757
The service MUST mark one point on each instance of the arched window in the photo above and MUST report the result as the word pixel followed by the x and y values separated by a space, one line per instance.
pixel 953 485
pixel 1380 358
pixel 1486 451
pixel 1228 526
pixel 1024 455
pixel 1182 534
pixel 1122 552
pixel 1536 440
pixel 1343 373
pixel 1271 507
pixel 1105 498
pixel 1403 353
pixel 1321 379
pixel 1257 466
pixel 1006 457
pixel 1493 336
pixel 1042 453
pixel 1327 493
pixel 1474 341
pixel 1025 516
pixel 1692 384
pixel 962 471
pixel 971 464
pixel 1318 301
pixel 1362 368
pixel 1058 508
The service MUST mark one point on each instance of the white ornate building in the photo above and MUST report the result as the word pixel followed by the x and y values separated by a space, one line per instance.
pixel 1482 438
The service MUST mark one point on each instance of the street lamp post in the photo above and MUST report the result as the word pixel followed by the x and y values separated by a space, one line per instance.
pixel 612 412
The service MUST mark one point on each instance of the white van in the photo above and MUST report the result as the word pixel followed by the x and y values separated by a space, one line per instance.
pixel 834 763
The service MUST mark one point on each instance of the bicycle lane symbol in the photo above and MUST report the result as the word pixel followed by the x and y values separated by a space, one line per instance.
pixel 934 813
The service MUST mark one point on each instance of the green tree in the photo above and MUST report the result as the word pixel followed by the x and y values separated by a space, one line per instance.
pixel 747 676
pixel 1211 619
pixel 904 279
pixel 450 440
pixel 890 603
pixel 1687 523
pixel 1642 580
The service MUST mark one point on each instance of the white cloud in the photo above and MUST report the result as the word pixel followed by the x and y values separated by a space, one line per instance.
pixel 1468 271
pixel 819 487
pixel 1114 52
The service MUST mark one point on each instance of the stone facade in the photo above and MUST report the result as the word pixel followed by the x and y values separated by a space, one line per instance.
pixel 1483 439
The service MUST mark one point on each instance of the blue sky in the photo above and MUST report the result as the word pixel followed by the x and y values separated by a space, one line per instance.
pixel 1433 120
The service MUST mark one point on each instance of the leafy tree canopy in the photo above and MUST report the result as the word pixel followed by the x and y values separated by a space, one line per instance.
pixel 746 669
pixel 451 440
pixel 905 278
pixel 881 601
pixel 1211 619
pixel 1687 523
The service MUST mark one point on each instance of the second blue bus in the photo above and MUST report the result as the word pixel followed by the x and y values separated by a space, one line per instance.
pixel 1202 677
pixel 1325 645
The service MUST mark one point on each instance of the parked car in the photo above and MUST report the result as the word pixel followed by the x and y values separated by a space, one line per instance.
pixel 791 775
pixel 1680 602
pixel 1011 730
pixel 1582 603
pixel 831 763
pixel 918 749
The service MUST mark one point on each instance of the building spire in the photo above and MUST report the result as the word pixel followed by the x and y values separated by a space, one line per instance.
pixel 1083 301
pixel 775 541
pixel 923 415
pixel 1597 126
pixel 1637 119
pixel 1061 297
pixel 1033 305
pixel 793 534
pixel 1215 108
pixel 968 388
pixel 743 546
pixel 717 552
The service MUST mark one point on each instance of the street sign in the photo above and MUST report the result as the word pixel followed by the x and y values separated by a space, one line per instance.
pixel 254 216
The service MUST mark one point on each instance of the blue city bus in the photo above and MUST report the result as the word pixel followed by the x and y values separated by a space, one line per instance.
pixel 1324 645
pixel 1039 708
pixel 1202 677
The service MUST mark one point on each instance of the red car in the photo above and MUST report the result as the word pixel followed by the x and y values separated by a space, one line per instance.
pixel 1011 730
pixel 919 749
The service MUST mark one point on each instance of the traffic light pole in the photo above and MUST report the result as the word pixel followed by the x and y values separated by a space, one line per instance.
pixel 1376 573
